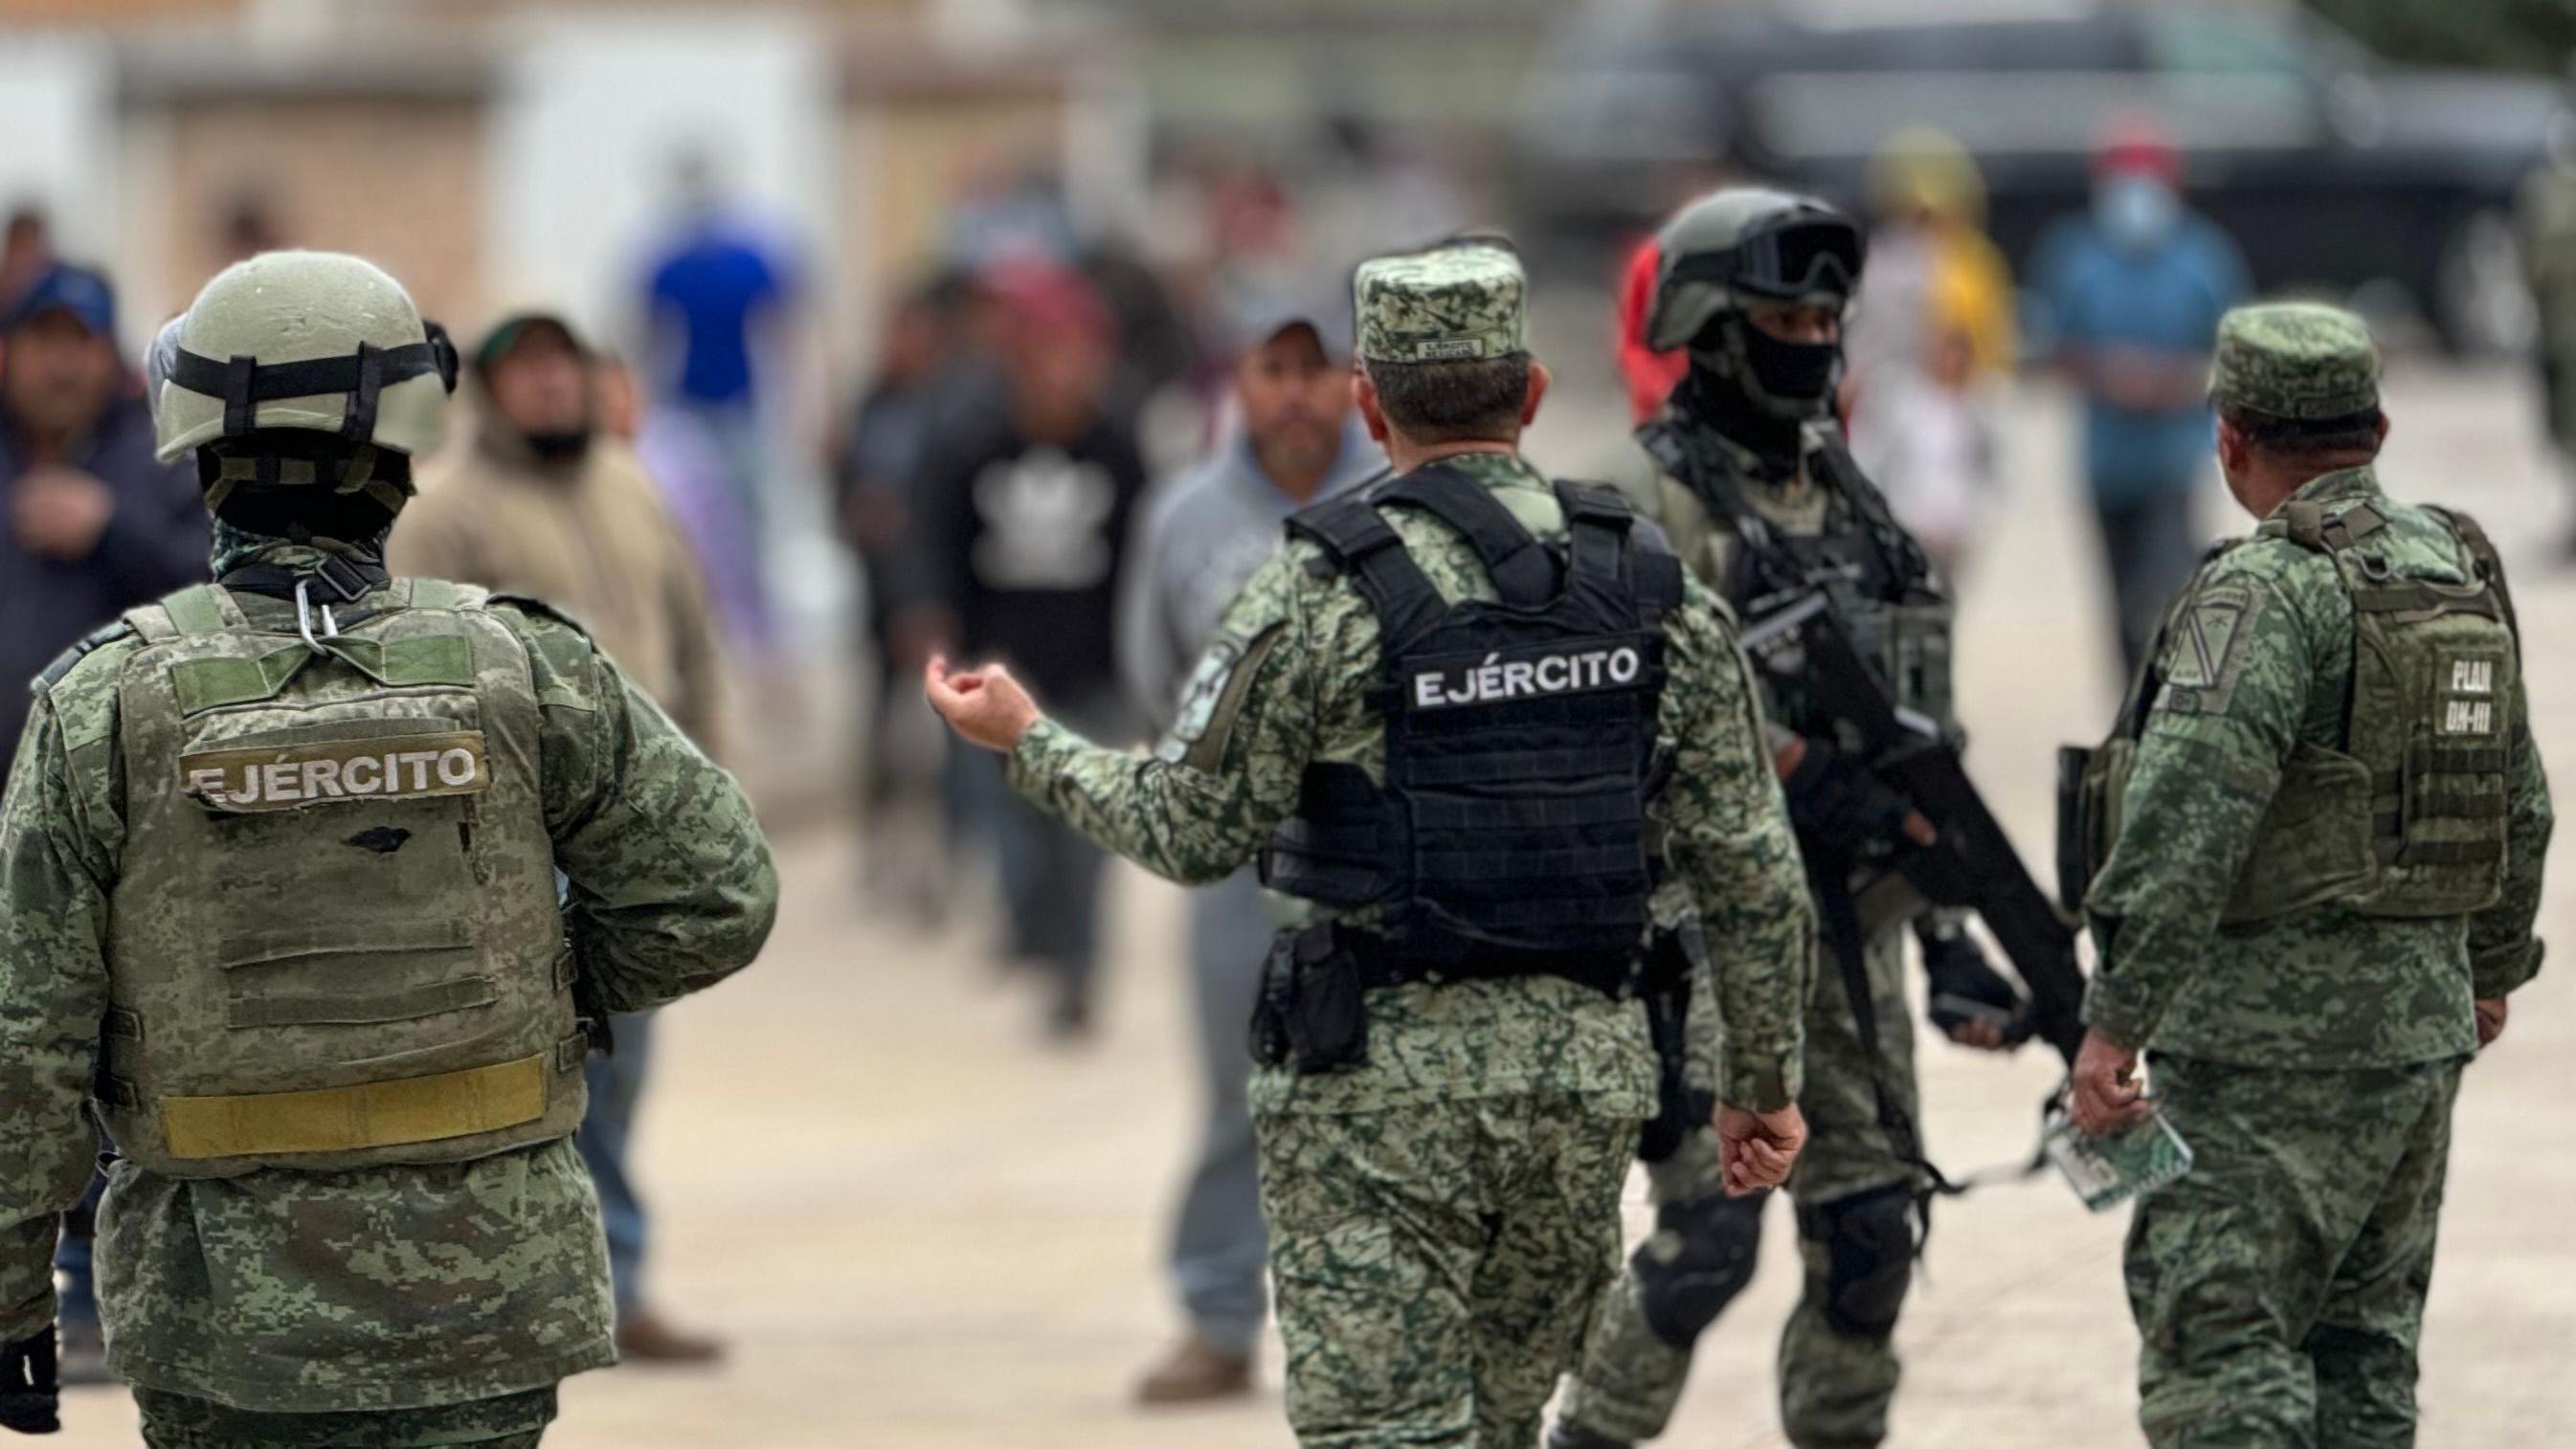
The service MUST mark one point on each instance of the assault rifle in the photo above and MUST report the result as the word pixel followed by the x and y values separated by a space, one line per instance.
pixel 1972 863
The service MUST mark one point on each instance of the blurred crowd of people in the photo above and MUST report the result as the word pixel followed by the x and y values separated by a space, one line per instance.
pixel 1066 454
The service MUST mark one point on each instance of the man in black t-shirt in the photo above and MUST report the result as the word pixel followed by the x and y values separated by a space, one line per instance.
pixel 1026 512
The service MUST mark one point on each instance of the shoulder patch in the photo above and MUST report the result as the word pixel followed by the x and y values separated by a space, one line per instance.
pixel 542 608
pixel 2208 644
pixel 65 662
pixel 560 666
pixel 1213 699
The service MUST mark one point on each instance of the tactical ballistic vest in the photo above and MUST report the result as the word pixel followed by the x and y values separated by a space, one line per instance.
pixel 1882 587
pixel 1509 837
pixel 336 938
pixel 2408 817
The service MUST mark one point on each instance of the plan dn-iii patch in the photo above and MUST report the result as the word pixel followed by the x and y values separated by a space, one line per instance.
pixel 290 777
pixel 2467 690
pixel 1581 666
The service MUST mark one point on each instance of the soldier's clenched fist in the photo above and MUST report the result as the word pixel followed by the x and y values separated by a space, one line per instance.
pixel 985 706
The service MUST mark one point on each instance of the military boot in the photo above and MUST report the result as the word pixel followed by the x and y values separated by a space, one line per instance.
pixel 1570 1435
pixel 1197 1372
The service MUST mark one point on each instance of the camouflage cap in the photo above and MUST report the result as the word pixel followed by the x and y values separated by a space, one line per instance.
pixel 2295 360
pixel 1452 303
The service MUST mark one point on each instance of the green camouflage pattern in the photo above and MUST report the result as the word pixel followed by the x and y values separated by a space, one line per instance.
pixel 2295 360
pixel 1437 1264
pixel 2327 986
pixel 2279 1285
pixel 1444 1215
pixel 1311 641
pixel 386 1287
pixel 1834 1388
pixel 1457 303
pixel 514 1421
pixel 1629 1379
pixel 234 986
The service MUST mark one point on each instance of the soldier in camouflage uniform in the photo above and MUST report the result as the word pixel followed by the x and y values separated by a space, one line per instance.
pixel 302 875
pixel 1453 1061
pixel 1764 505
pixel 2324 837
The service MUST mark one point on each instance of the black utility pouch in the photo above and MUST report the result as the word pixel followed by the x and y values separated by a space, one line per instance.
pixel 1277 1003
pixel 1670 964
pixel 1320 999
pixel 2076 824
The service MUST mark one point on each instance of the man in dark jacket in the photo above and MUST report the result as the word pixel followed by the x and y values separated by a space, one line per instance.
pixel 89 525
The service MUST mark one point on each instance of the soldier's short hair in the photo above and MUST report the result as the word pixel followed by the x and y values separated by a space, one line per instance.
pixel 2304 437
pixel 1476 400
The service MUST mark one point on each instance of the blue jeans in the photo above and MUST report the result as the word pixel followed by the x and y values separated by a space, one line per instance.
pixel 616 1083
pixel 1220 1247
pixel 2151 550
pixel 1051 879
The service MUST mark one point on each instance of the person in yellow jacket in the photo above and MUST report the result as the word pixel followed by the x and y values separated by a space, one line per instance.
pixel 547 501
pixel 1931 335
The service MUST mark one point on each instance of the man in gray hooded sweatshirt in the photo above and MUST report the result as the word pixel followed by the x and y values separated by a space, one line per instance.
pixel 1295 440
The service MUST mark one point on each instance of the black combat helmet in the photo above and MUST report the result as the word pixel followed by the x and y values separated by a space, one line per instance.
pixel 1750 244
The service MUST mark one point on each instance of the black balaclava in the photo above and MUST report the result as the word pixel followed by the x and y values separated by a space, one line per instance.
pixel 1756 390
pixel 294 523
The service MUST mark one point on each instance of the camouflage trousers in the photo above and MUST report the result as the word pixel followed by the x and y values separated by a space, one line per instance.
pixel 2279 1286
pixel 1437 1266
pixel 1838 1370
pixel 182 1421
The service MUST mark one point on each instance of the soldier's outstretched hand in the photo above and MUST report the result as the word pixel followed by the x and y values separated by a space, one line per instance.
pixel 985 706
pixel 1757 1149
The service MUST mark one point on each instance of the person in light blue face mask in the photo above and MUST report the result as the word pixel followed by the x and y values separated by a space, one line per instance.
pixel 2132 291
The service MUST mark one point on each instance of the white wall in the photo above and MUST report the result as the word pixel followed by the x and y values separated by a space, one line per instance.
pixel 591 117
pixel 58 118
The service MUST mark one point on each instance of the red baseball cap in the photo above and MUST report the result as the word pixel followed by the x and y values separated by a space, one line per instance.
pixel 2138 145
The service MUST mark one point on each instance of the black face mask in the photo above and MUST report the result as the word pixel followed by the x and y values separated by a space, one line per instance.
pixel 559 447
pixel 1794 374
pixel 1717 401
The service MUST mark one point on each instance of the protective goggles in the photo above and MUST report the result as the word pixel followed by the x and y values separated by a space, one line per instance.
pixel 1802 258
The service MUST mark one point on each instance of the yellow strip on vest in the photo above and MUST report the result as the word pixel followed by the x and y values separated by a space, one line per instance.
pixel 290 777
pixel 370 1114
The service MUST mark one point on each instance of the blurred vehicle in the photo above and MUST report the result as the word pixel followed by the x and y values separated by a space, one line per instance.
pixel 2333 169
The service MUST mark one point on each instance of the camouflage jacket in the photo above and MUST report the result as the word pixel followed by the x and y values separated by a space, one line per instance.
pixel 1293 659
pixel 2325 987
pixel 389 1287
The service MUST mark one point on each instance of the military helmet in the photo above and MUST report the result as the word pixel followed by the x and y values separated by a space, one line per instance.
pixel 1746 243
pixel 297 341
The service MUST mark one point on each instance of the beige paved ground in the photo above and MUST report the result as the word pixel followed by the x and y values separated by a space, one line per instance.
pixel 925 1231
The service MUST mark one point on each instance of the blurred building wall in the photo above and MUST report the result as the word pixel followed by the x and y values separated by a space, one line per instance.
pixel 595 117
pixel 58 115
pixel 394 178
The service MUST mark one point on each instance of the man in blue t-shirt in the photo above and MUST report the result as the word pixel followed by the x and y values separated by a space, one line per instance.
pixel 719 297
pixel 2133 292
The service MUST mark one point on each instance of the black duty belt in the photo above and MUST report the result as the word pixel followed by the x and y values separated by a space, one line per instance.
pixel 1382 962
